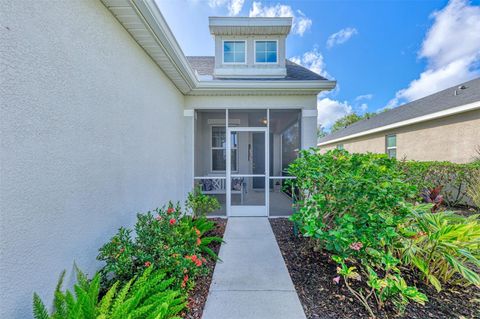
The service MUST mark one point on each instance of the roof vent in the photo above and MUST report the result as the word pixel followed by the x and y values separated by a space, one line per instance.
pixel 461 87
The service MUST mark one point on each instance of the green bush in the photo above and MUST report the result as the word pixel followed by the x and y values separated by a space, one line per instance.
pixel 149 296
pixel 351 204
pixel 165 238
pixel 201 204
pixel 455 178
pixel 442 245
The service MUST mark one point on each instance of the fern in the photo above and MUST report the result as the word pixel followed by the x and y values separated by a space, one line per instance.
pixel 39 310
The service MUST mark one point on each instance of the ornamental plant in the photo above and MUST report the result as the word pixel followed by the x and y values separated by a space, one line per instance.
pixel 151 295
pixel 351 204
pixel 165 239
pixel 443 246
pixel 201 204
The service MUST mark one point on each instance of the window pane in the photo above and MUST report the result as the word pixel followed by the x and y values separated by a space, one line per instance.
pixel 239 57
pixel 391 141
pixel 219 160
pixel 218 137
pixel 272 57
pixel 240 46
pixel 260 57
pixel 272 46
pixel 234 140
pixel 228 46
pixel 260 46
pixel 392 153
pixel 228 57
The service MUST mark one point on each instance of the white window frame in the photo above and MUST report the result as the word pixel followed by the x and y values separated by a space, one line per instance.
pixel 255 50
pixel 244 53
pixel 220 148
pixel 387 148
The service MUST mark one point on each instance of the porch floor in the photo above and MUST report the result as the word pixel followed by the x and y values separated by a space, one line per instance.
pixel 252 280
pixel 280 203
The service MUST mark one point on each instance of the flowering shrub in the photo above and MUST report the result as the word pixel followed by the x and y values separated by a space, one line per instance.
pixel 164 238
pixel 351 205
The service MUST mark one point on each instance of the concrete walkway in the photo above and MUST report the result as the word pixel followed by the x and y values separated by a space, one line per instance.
pixel 252 280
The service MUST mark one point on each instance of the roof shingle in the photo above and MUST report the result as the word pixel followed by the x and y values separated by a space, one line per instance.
pixel 204 65
pixel 436 102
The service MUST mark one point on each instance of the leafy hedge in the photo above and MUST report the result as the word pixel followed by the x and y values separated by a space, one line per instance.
pixel 455 178
pixel 358 207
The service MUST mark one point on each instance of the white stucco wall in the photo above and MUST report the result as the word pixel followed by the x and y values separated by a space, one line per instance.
pixel 92 132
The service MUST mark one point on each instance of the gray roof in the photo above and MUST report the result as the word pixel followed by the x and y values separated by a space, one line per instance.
pixel 204 65
pixel 436 102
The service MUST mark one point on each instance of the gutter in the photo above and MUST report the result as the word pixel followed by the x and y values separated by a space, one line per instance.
pixel 451 111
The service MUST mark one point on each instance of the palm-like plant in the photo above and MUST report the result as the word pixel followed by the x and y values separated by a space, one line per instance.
pixel 146 297
pixel 441 245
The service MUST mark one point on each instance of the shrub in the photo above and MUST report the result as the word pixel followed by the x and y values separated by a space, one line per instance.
pixel 455 178
pixel 201 204
pixel 473 189
pixel 149 296
pixel 441 245
pixel 164 238
pixel 351 205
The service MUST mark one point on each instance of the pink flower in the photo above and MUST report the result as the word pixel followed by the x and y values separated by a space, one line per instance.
pixel 356 246
pixel 148 264
pixel 159 218
pixel 172 221
pixel 170 210
pixel 336 280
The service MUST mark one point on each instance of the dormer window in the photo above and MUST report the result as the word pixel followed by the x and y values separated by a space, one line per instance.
pixel 234 52
pixel 266 52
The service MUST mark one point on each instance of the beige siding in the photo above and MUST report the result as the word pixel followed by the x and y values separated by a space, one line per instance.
pixel 452 138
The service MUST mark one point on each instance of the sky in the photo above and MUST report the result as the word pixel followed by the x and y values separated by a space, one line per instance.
pixel 381 53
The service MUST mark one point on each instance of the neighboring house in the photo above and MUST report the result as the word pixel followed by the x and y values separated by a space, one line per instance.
pixel 444 126
pixel 99 123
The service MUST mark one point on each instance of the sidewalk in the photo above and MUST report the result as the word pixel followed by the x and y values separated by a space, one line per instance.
pixel 252 280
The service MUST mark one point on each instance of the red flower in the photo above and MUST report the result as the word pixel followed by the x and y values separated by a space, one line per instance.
pixel 199 241
pixel 197 231
pixel 148 264
pixel 170 210
pixel 184 282
pixel 172 221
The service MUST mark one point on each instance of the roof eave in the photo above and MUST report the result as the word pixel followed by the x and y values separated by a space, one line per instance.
pixel 444 113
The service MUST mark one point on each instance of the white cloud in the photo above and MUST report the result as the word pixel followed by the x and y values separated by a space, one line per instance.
pixel 341 36
pixel 452 49
pixel 364 97
pixel 301 23
pixel 312 60
pixel 234 6
pixel 331 110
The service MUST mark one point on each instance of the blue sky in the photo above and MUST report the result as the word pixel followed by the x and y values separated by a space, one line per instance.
pixel 382 53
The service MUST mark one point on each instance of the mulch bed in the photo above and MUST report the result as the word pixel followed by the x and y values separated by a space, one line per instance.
pixel 312 273
pixel 198 296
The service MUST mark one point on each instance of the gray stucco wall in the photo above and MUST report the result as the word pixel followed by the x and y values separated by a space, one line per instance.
pixel 92 132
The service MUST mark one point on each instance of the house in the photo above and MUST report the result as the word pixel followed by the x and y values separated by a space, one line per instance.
pixel 103 116
pixel 444 126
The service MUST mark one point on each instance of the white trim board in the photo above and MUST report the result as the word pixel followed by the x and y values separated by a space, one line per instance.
pixel 419 119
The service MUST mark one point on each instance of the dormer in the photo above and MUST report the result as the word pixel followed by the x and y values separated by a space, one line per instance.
pixel 250 47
